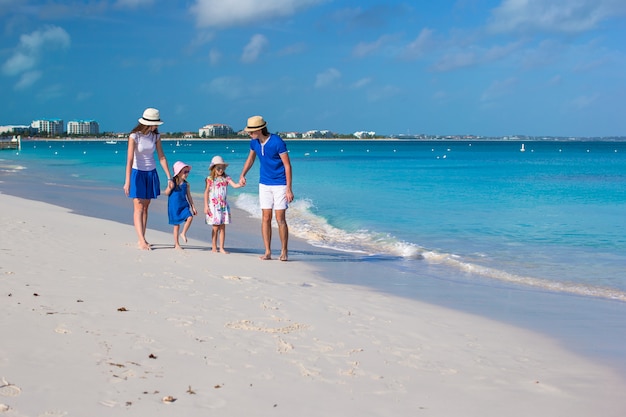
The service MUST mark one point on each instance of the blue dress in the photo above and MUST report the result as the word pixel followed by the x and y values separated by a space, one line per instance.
pixel 178 210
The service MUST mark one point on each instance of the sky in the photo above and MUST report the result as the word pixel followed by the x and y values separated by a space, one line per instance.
pixel 465 67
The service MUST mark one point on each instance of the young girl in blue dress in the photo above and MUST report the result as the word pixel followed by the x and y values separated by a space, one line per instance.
pixel 180 207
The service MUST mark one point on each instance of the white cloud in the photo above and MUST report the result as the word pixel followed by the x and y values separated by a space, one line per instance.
pixel 470 56
pixel 215 56
pixel 228 87
pixel 51 92
pixel 460 59
pixel 294 49
pixel 30 49
pixel 18 63
pixel 237 12
pixel 498 89
pixel 83 95
pixel 556 80
pixel 327 77
pixel 583 102
pixel 364 49
pixel 132 4
pixel 383 93
pixel 27 79
pixel 362 83
pixel 569 16
pixel 254 48
pixel 420 45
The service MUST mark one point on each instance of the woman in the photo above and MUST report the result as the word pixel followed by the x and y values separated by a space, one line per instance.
pixel 142 181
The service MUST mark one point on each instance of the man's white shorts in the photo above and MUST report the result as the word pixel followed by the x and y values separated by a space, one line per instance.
pixel 273 197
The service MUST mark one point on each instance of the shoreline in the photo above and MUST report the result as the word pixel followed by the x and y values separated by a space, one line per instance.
pixel 617 139
pixel 113 328
pixel 591 327
pixel 595 328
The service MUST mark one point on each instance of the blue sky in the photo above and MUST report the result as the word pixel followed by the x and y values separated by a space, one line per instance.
pixel 494 68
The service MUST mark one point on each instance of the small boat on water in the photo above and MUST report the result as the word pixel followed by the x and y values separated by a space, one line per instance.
pixel 522 149
pixel 111 142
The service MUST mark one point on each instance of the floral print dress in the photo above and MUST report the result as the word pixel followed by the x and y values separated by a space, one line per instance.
pixel 219 211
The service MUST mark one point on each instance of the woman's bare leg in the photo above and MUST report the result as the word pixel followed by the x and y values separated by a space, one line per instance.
pixel 140 219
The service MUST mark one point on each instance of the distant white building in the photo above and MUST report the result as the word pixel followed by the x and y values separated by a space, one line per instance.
pixel 83 127
pixel 51 126
pixel 16 130
pixel 215 130
pixel 311 134
pixel 363 134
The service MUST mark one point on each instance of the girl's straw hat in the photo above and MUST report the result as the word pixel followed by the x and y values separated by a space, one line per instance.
pixel 217 160
pixel 179 165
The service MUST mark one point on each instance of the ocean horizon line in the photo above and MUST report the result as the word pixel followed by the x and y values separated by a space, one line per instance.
pixel 361 140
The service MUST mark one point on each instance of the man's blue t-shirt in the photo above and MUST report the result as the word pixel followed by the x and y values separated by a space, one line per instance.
pixel 272 167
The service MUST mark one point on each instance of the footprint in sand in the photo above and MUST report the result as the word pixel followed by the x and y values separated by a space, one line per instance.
pixel 9 390
pixel 234 277
pixel 62 330
pixel 284 347
pixel 53 413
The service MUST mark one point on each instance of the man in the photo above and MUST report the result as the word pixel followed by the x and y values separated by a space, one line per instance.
pixel 275 192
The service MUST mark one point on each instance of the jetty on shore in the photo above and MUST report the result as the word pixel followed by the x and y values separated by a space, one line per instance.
pixel 11 143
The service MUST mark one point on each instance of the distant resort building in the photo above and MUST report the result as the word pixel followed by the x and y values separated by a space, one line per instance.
pixel 362 135
pixel 83 127
pixel 53 127
pixel 215 130
pixel 311 134
pixel 17 130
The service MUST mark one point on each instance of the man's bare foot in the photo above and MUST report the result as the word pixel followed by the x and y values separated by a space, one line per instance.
pixel 144 246
pixel 214 250
pixel 178 247
pixel 223 251
pixel 183 237
pixel 283 257
pixel 266 257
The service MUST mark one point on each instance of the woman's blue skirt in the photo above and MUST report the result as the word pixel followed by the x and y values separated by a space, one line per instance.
pixel 144 184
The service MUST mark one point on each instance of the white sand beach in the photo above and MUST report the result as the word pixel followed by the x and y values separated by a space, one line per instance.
pixel 92 326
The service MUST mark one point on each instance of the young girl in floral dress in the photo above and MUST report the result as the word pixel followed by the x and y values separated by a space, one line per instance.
pixel 215 205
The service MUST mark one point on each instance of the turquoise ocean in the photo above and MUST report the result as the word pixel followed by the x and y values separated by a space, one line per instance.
pixel 538 217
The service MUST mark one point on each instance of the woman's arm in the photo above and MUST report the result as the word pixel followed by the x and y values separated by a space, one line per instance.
pixel 163 159
pixel 246 167
pixel 130 155
pixel 169 188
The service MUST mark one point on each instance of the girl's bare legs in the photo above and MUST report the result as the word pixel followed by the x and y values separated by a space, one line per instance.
pixel 183 235
pixel 176 243
pixel 214 233
pixel 222 229
pixel 140 219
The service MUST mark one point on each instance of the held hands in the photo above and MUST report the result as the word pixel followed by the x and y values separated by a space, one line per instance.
pixel 242 181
